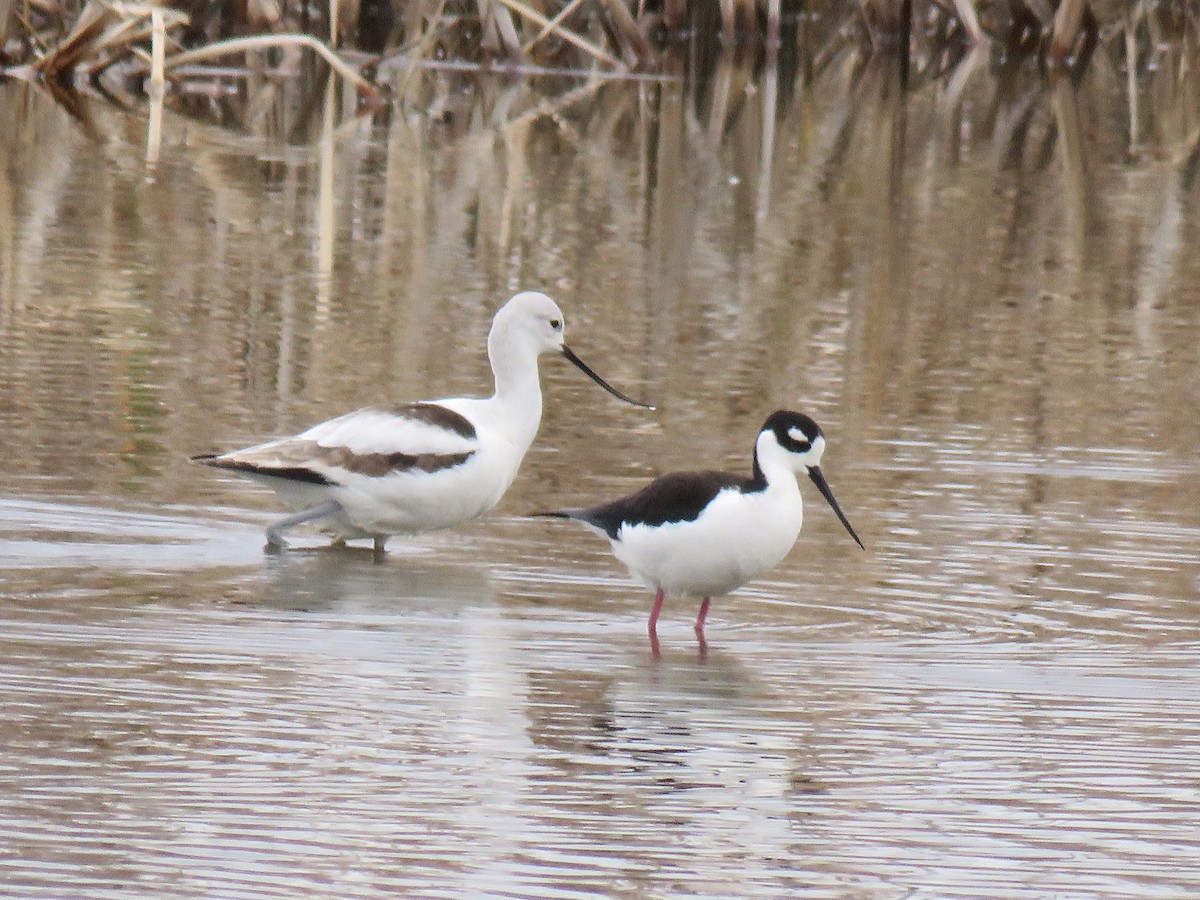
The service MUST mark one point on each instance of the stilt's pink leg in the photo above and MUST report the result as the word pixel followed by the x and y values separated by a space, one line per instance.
pixel 701 617
pixel 655 610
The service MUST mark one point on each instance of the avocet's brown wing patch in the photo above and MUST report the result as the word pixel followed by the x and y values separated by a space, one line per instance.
pixel 374 442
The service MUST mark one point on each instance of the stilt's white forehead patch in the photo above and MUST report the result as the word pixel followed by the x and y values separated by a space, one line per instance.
pixel 798 435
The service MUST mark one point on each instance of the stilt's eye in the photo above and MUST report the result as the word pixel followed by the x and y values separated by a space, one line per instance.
pixel 555 324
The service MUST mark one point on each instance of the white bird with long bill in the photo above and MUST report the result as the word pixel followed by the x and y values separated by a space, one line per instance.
pixel 417 467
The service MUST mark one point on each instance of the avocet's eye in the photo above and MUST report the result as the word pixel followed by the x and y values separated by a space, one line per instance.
pixel 556 324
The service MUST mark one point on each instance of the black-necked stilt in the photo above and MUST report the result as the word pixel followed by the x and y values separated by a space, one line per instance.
pixel 703 534
pixel 408 469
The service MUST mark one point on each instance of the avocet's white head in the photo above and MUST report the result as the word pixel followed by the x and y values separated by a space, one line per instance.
pixel 794 440
pixel 530 321
pixel 527 326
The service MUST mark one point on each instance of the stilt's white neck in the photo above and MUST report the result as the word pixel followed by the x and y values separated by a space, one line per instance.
pixel 778 466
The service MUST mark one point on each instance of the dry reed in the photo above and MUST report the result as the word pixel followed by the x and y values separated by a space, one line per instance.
pixel 144 47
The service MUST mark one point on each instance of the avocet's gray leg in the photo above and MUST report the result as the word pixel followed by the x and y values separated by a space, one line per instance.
pixel 275 530
pixel 380 540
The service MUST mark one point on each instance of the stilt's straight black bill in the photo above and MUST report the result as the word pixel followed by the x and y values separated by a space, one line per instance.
pixel 814 472
pixel 586 369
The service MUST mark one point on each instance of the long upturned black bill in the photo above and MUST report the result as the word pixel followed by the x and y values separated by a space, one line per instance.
pixel 586 369
pixel 814 472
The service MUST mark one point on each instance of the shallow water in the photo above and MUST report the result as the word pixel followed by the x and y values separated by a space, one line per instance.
pixel 989 300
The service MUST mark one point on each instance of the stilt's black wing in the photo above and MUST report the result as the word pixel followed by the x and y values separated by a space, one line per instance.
pixel 677 497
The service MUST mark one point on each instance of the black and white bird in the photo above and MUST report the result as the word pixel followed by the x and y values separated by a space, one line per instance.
pixel 412 468
pixel 703 534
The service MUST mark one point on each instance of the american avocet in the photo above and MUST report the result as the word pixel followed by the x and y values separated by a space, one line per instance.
pixel 703 534
pixel 407 469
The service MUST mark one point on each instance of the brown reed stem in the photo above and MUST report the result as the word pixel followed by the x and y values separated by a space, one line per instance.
pixel 628 31
pixel 587 46
pixel 1066 30
pixel 239 45
pixel 551 25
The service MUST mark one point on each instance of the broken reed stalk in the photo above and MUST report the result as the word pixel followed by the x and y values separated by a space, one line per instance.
pixel 593 75
pixel 773 13
pixel 157 88
pixel 158 51
pixel 499 31
pixel 969 19
pixel 92 22
pixel 267 42
pixel 633 42
pixel 550 26
pixel 104 33
pixel 586 46
pixel 1131 90
pixel 424 44
pixel 1066 30
pixel 728 20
